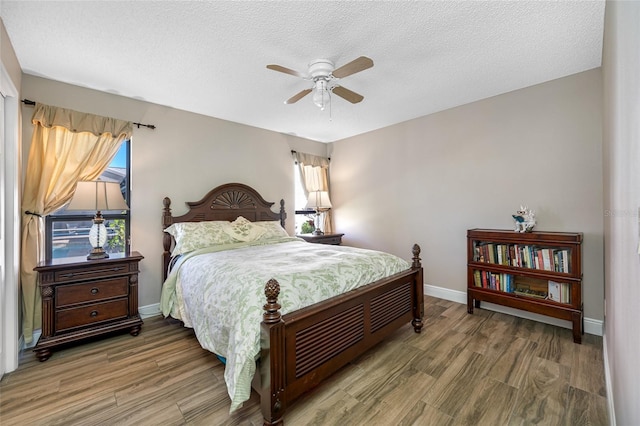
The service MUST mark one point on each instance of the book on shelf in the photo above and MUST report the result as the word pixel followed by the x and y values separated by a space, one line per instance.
pixel 567 261
pixel 566 293
pixel 546 259
pixel 528 256
pixel 523 286
pixel 554 291
pixel 562 260
pixel 559 292
pixel 493 280
pixel 522 291
pixel 491 252
pixel 531 287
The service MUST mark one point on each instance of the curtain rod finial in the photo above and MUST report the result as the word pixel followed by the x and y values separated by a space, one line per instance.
pixel 148 126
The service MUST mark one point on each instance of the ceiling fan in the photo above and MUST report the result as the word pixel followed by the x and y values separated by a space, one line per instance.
pixel 324 76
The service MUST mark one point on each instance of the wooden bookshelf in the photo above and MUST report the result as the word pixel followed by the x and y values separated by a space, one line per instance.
pixel 539 272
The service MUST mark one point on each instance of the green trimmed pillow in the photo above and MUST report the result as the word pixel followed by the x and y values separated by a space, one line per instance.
pixel 244 230
pixel 191 236
pixel 272 228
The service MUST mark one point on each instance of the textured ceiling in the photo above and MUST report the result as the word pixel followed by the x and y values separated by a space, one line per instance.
pixel 210 57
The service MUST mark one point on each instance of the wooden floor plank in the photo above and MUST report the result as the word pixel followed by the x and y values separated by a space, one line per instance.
pixel 458 383
pixel 543 398
pixel 513 364
pixel 584 408
pixel 491 405
pixel 423 414
pixel 480 369
pixel 587 368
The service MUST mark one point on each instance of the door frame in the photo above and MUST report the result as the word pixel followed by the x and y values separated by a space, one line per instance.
pixel 10 223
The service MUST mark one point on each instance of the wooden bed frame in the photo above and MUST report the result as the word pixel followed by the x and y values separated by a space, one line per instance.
pixel 302 348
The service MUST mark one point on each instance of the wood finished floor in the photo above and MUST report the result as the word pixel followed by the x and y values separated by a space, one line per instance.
pixel 481 369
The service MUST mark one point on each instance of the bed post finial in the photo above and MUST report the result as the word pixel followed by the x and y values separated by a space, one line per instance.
pixel 167 220
pixel 416 257
pixel 271 313
pixel 283 214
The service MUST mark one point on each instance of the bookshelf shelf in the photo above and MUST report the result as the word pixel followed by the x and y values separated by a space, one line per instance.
pixel 539 272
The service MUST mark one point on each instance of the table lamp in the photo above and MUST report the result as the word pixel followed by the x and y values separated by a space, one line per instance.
pixel 318 201
pixel 97 195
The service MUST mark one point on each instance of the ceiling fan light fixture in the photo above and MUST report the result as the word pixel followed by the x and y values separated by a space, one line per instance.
pixel 324 76
pixel 321 94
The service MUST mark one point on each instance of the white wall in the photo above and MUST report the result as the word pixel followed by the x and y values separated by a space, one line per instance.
pixel 428 180
pixel 185 157
pixel 621 76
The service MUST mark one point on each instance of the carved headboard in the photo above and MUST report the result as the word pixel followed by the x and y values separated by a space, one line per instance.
pixel 225 202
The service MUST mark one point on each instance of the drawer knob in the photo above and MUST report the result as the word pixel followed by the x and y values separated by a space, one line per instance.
pixel 94 314
pixel 94 290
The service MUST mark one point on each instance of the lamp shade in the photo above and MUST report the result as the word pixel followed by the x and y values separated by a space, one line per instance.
pixel 97 196
pixel 318 200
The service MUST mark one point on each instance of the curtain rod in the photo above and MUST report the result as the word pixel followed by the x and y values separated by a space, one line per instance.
pixel 149 126
pixel 293 152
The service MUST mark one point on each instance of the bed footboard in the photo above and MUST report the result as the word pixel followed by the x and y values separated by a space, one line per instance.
pixel 299 350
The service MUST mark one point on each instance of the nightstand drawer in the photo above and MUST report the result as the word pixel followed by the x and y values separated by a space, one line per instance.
pixel 91 292
pixel 89 314
pixel 90 272
pixel 332 240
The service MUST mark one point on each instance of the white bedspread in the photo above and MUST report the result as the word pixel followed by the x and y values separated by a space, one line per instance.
pixel 220 294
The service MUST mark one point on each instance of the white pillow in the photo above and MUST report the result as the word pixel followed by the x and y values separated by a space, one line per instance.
pixel 272 228
pixel 244 230
pixel 191 236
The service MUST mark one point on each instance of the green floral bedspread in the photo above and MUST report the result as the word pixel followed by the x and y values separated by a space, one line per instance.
pixel 219 292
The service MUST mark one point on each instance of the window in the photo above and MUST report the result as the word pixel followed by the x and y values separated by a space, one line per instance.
pixel 67 232
pixel 303 215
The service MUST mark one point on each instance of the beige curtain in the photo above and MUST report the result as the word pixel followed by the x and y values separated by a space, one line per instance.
pixel 314 175
pixel 67 146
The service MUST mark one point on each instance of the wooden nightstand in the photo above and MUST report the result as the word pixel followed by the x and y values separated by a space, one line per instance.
pixel 85 298
pixel 333 239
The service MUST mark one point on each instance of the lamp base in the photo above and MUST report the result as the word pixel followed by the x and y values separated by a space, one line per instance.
pixel 97 253
pixel 316 224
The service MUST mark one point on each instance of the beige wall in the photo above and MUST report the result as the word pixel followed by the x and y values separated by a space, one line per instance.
pixel 186 156
pixel 430 179
pixel 621 76
pixel 8 57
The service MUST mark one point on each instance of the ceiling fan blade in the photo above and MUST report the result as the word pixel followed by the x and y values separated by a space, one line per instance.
pixel 347 94
pixel 295 98
pixel 357 65
pixel 285 70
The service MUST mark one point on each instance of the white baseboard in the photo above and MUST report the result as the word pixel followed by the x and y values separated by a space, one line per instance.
pixel 608 384
pixel 591 326
pixel 149 311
